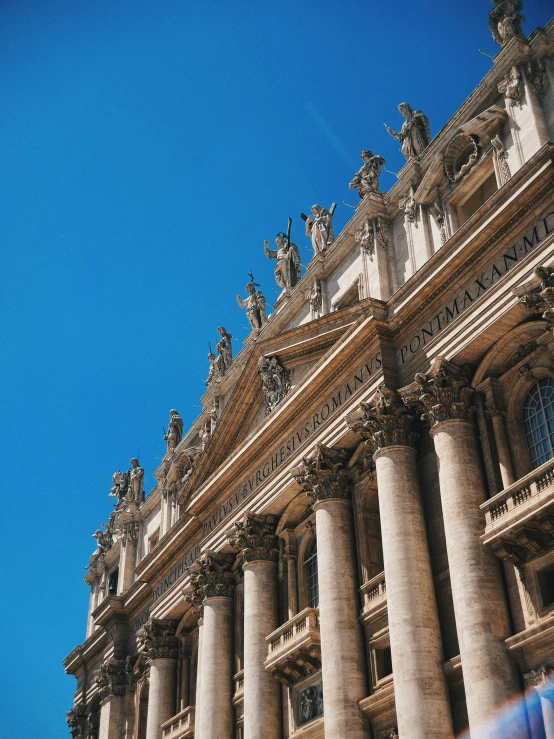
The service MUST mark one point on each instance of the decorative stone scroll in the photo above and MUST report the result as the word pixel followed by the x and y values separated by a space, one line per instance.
pixel 254 537
pixel 323 475
pixel 536 74
pixel 501 156
pixel 211 577
pixel 375 232
pixel 111 678
pixel 275 381
pixel 511 87
pixel 313 295
pixel 541 300
pixel 460 156
pixel 384 422
pixel 159 640
pixel 444 393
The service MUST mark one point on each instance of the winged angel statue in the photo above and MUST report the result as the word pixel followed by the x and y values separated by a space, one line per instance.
pixel 505 21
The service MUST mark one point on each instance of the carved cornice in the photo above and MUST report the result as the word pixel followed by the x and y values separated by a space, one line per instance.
pixel 254 537
pixel 541 300
pixel 159 640
pixel 323 475
pixel 384 422
pixel 443 394
pixel 111 678
pixel 211 577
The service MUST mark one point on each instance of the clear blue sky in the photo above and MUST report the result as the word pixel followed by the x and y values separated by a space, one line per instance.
pixel 148 149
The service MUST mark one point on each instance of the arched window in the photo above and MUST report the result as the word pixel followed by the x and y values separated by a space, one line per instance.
pixel 538 421
pixel 311 565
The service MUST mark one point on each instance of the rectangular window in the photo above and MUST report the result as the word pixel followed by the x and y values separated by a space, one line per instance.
pixel 153 540
pixel 112 582
pixel 545 579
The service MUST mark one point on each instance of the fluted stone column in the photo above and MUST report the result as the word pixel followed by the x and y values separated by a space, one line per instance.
pixel 111 680
pixel 326 480
pixel 254 537
pixel 291 558
pixel 161 647
pixel 421 695
pixel 542 681
pixel 213 582
pixel 482 621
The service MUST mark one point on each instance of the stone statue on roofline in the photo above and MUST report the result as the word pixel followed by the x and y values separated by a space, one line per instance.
pixel 287 268
pixel 224 350
pixel 254 304
pixel 174 431
pixel 415 134
pixel 319 227
pixel 367 177
pixel 136 481
pixel 505 21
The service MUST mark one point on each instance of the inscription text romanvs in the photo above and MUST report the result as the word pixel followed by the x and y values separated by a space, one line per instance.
pixel 362 375
pixel 477 286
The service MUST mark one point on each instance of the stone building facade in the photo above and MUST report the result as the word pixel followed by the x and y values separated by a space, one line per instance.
pixel 356 537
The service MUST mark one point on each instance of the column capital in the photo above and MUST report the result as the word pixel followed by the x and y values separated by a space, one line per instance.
pixel 76 719
pixel 384 422
pixel 159 640
pixel 323 475
pixel 211 577
pixel 253 536
pixel 443 394
pixel 111 678
pixel 541 680
pixel 541 299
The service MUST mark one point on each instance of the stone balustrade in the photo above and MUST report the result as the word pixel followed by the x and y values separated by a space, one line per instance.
pixel 525 502
pixel 294 648
pixel 374 594
pixel 180 726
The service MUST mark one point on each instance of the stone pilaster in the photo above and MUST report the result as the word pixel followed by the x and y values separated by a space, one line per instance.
pixel 421 695
pixel 111 680
pixel 255 540
pixel 326 480
pixel 213 582
pixel 542 681
pixel 161 647
pixel 129 556
pixel 481 615
pixel 291 558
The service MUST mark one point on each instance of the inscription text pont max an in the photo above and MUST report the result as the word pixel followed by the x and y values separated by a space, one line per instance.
pixel 477 286
pixel 363 374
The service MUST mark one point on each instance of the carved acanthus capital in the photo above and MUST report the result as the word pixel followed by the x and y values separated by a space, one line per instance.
pixel 542 679
pixel 211 576
pixel 541 300
pixel 77 720
pixel 384 422
pixel 111 678
pixel 159 640
pixel 443 394
pixel 323 475
pixel 254 537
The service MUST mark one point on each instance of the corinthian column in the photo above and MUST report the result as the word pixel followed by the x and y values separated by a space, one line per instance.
pixel 326 480
pixel 111 680
pixel 479 605
pixel 254 537
pixel 213 583
pixel 420 691
pixel 162 648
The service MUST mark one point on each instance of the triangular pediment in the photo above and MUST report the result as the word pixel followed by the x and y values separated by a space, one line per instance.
pixel 298 351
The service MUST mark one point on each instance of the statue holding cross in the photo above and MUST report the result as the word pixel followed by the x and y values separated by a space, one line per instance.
pixel 288 267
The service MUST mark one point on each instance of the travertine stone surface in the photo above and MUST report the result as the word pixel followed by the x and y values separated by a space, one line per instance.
pixel 161 697
pixel 112 718
pixel 217 714
pixel 262 693
pixel 422 707
pixel 479 604
pixel 344 684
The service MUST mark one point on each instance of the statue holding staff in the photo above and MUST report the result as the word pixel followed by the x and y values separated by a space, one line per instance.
pixel 319 227
pixel 415 134
pixel 287 268
pixel 254 304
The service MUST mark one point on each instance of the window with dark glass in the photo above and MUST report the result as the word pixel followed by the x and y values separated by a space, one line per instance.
pixel 538 421
pixel 112 582
pixel 311 565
